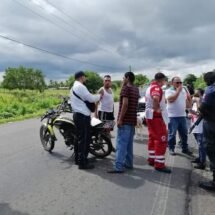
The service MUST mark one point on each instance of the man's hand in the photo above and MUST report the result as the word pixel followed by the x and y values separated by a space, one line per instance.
pixel 119 123
pixel 179 88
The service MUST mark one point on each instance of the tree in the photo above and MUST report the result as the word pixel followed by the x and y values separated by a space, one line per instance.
pixel 190 79
pixel 200 83
pixel 140 80
pixel 93 82
pixel 23 78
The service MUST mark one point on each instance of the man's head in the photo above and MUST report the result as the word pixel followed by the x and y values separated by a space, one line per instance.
pixel 107 81
pixel 160 78
pixel 176 82
pixel 209 78
pixel 129 77
pixel 80 76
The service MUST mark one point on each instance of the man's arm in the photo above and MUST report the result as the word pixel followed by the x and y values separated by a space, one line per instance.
pixel 174 96
pixel 156 103
pixel 97 103
pixel 123 111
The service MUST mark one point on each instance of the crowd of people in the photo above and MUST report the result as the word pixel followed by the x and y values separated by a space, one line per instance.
pixel 167 112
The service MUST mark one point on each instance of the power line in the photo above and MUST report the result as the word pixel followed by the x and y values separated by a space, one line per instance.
pixel 74 20
pixel 65 29
pixel 57 54
pixel 43 17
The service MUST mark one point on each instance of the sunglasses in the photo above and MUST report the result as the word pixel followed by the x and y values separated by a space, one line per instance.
pixel 178 82
pixel 107 80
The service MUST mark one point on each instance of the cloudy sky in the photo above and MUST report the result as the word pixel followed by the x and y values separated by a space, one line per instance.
pixel 106 36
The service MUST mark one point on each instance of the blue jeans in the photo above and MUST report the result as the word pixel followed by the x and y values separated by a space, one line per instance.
pixel 177 124
pixel 202 150
pixel 124 147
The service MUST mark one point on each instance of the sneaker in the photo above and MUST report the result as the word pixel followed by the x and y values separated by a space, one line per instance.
pixel 200 166
pixel 151 163
pixel 172 152
pixel 86 166
pixel 164 170
pixel 187 152
pixel 195 160
pixel 210 185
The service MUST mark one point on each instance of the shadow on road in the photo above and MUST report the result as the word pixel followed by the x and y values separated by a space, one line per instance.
pixel 5 209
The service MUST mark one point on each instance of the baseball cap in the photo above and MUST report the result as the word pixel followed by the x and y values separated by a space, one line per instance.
pixel 79 74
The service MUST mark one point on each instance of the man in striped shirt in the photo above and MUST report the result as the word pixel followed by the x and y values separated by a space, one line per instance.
pixel 126 122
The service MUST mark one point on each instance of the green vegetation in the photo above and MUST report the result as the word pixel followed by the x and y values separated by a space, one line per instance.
pixel 24 94
pixel 20 104
pixel 23 78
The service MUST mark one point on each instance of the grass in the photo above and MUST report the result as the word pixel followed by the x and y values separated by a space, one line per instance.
pixel 24 104
pixel 18 104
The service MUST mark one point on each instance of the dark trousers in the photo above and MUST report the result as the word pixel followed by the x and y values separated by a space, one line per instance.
pixel 82 124
pixel 209 141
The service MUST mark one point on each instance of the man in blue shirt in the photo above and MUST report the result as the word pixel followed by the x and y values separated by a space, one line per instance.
pixel 207 111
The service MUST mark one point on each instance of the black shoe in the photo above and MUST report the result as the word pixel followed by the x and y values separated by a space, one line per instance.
pixel 187 152
pixel 210 185
pixel 114 171
pixel 91 160
pixel 164 170
pixel 195 160
pixel 86 166
pixel 200 166
pixel 128 167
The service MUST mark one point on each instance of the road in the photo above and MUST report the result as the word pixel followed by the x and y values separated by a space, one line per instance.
pixel 34 182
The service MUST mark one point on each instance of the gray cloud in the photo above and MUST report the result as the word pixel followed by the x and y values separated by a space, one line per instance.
pixel 165 34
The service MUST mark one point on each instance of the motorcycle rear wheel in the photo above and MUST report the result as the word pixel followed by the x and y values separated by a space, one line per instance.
pixel 101 146
pixel 46 139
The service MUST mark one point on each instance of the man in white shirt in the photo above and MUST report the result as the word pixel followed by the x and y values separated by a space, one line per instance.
pixel 177 99
pixel 79 93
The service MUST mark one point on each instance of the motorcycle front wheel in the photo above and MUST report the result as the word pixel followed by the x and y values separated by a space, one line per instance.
pixel 101 146
pixel 46 138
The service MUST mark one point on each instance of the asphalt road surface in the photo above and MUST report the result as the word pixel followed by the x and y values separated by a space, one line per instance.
pixel 34 182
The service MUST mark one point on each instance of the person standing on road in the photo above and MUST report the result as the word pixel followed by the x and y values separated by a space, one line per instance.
pixel 178 99
pixel 198 130
pixel 79 93
pixel 157 120
pixel 105 107
pixel 126 122
pixel 207 112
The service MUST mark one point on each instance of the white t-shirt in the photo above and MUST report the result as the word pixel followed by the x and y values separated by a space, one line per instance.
pixel 178 107
pixel 107 102
pixel 77 104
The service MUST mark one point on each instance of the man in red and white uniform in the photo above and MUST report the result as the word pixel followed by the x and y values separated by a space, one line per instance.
pixel 157 120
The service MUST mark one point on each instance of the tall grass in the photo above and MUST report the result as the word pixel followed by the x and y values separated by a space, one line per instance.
pixel 23 104
pixel 19 104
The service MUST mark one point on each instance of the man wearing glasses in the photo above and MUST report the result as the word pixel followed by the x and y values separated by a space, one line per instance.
pixel 178 99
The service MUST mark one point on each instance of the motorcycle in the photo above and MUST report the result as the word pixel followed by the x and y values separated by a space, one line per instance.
pixel 100 146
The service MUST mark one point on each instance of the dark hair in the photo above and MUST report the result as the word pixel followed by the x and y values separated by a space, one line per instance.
pixel 160 76
pixel 209 78
pixel 79 74
pixel 201 91
pixel 107 76
pixel 131 76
